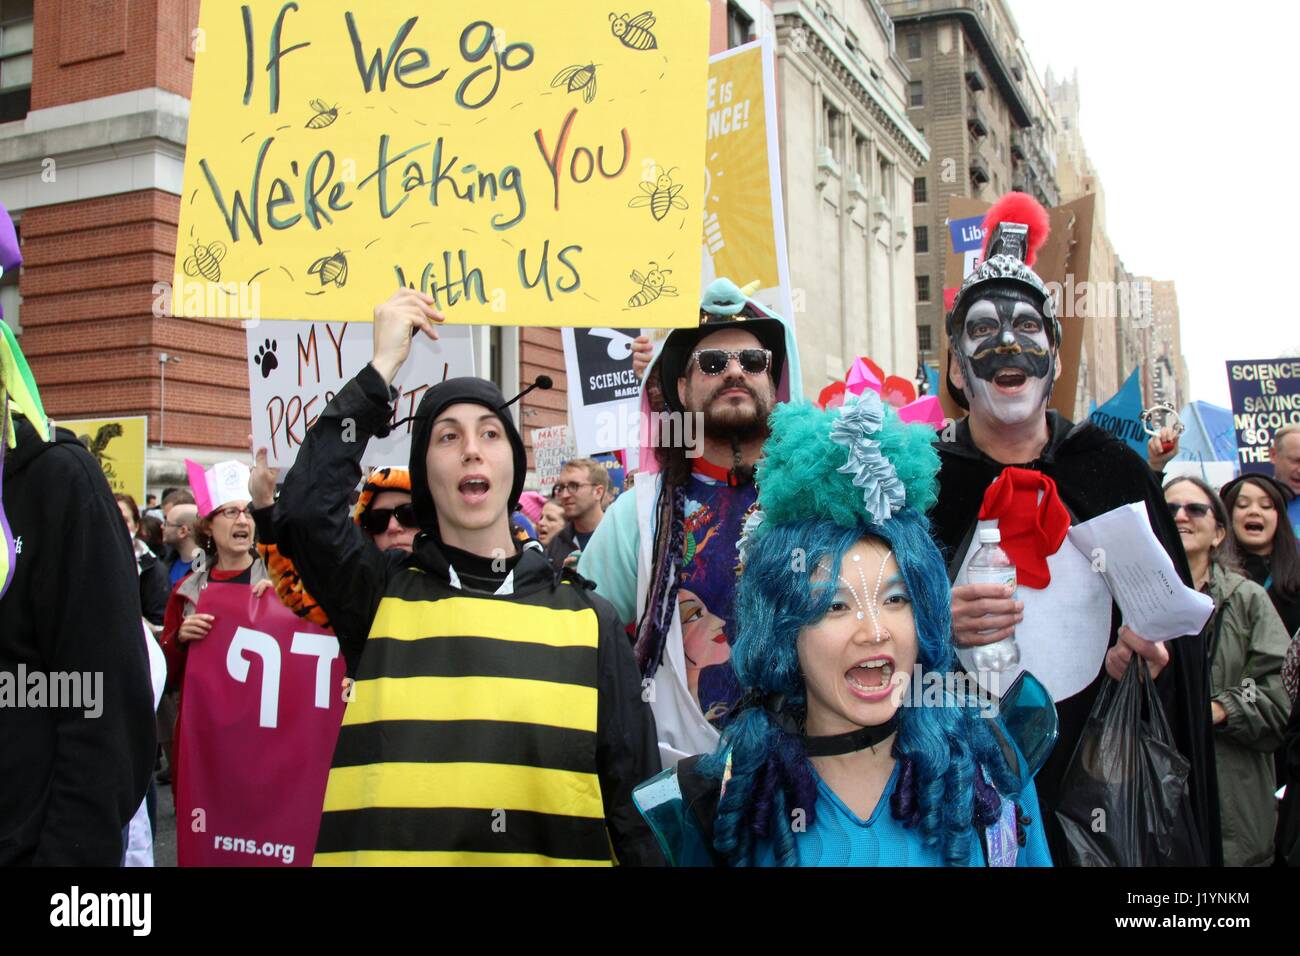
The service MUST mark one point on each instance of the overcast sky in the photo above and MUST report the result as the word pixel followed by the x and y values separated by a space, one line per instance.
pixel 1188 112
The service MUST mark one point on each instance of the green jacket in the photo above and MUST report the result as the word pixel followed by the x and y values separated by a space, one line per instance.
pixel 1246 679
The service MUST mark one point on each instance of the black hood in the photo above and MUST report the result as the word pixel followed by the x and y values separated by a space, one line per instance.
pixel 31 446
pixel 477 391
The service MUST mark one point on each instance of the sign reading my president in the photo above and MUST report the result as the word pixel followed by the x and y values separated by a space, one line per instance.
pixel 522 163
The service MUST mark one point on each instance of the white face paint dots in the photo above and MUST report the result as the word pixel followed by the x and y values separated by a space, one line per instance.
pixel 868 600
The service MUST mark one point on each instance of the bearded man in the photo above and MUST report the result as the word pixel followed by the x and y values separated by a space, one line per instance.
pixel 675 582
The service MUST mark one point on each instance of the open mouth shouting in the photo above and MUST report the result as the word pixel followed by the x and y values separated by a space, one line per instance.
pixel 1010 381
pixel 870 679
pixel 474 489
pixel 241 535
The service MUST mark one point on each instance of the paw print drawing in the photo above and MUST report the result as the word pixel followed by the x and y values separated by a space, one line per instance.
pixel 265 358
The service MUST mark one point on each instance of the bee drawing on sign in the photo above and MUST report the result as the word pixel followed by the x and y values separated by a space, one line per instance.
pixel 206 261
pixel 660 195
pixel 652 286
pixel 325 115
pixel 331 269
pixel 578 79
pixel 634 32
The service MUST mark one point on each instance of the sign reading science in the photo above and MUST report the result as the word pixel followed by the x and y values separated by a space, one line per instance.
pixel 522 163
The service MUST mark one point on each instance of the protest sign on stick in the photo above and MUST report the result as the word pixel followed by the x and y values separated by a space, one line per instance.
pixel 552 447
pixel 119 446
pixel 295 368
pixel 1265 397
pixel 604 391
pixel 522 163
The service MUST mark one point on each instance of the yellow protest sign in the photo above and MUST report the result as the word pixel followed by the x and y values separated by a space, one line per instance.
pixel 523 163
pixel 744 226
pixel 118 445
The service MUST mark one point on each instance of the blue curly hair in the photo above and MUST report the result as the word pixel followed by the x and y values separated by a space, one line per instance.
pixel 815 508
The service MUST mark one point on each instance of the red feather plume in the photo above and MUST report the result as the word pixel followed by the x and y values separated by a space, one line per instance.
pixel 1024 209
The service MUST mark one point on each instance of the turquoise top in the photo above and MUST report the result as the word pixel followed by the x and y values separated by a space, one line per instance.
pixel 839 837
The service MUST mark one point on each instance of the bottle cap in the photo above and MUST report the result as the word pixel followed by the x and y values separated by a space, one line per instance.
pixel 990 536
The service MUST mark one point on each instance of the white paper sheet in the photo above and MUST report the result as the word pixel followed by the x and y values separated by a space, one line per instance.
pixel 1066 629
pixel 1153 600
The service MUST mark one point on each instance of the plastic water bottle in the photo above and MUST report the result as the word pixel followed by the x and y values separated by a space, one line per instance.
pixel 991 565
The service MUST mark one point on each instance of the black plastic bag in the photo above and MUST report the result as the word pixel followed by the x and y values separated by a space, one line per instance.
pixel 1124 801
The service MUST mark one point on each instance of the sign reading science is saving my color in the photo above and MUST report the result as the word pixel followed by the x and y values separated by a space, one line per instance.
pixel 523 163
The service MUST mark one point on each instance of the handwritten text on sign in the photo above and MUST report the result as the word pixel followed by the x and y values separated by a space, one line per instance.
pixel 296 368
pixel 521 164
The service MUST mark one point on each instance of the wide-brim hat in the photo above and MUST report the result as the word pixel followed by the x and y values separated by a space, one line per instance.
pixel 723 306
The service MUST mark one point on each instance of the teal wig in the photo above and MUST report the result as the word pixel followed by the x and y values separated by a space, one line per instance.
pixel 817 505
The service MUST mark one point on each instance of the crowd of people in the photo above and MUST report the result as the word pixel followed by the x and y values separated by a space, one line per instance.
pixel 709 666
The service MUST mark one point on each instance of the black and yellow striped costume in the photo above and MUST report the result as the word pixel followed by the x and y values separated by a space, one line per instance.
pixel 497 724
pixel 460 749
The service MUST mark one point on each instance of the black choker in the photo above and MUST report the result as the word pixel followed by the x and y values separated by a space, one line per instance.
pixel 851 742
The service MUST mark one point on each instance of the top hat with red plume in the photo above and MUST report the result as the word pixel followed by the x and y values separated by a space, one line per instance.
pixel 1015 229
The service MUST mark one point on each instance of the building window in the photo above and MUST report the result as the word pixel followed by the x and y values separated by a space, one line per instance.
pixel 923 338
pixel 915 93
pixel 914 46
pixel 740 26
pixel 918 190
pixel 922 289
pixel 922 239
pixel 15 59
pixel 833 131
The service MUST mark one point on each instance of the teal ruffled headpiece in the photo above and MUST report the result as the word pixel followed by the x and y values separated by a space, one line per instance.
pixel 854 465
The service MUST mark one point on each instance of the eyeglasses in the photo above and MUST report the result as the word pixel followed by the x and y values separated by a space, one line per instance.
pixel 1194 508
pixel 376 519
pixel 715 361
pixel 233 513
pixel 571 487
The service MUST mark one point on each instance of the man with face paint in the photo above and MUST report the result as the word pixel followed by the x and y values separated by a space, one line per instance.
pixel 1015 464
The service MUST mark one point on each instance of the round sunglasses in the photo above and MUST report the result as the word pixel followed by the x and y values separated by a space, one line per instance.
pixel 376 520
pixel 715 361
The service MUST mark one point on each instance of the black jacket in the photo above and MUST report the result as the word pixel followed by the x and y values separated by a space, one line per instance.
pixel 155 588
pixel 1259 569
pixel 350 577
pixel 562 544
pixel 70 783
pixel 1094 473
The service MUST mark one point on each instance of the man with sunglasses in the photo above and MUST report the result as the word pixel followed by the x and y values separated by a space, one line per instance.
pixel 1017 465
pixel 674 535
pixel 583 492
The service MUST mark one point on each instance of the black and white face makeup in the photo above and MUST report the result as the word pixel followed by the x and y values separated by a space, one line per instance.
pixel 1006 359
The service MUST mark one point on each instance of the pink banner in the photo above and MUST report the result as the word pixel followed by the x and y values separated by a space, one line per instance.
pixel 261 704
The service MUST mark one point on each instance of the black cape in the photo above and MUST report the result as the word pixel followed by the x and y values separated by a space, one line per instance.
pixel 1094 473
pixel 70 782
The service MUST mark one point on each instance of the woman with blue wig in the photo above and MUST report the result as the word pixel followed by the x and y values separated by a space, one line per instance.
pixel 835 757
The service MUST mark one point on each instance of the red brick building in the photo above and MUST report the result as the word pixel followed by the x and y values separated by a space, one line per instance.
pixel 94 108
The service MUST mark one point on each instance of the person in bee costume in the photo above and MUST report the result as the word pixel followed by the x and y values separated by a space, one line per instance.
pixel 1015 464
pixel 496 717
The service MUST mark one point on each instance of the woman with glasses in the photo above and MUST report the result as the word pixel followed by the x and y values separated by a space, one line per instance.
pixel 1248 705
pixel 227 554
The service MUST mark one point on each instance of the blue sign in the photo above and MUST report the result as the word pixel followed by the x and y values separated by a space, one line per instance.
pixel 966 234
pixel 1122 415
